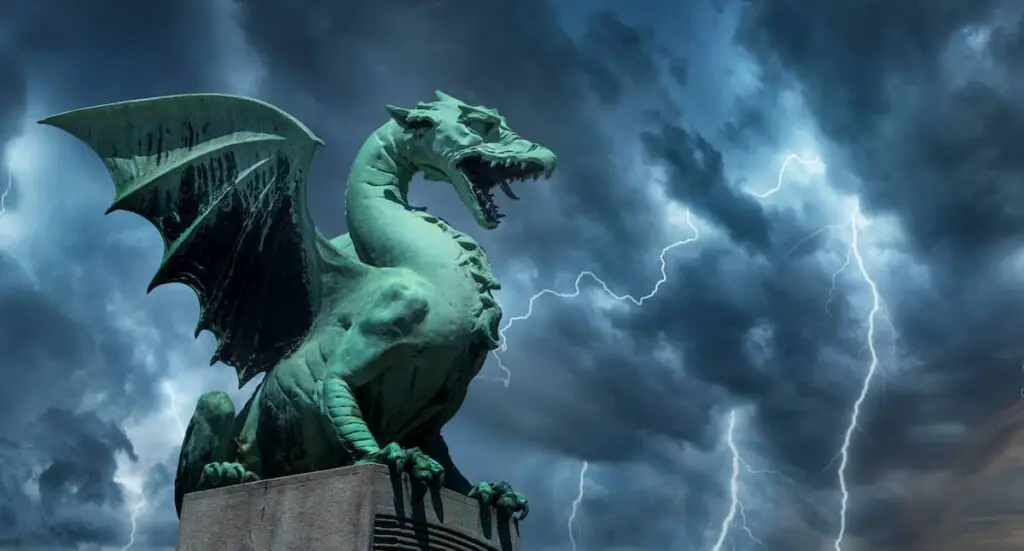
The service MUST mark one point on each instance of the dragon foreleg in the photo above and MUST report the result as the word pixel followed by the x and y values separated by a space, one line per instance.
pixel 348 430
pixel 362 354
pixel 345 425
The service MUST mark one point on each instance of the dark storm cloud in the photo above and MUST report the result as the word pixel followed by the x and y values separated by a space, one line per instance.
pixel 1007 45
pixel 70 458
pixel 697 178
pixel 159 529
pixel 717 305
pixel 51 358
pixel 617 57
pixel 753 123
pixel 115 49
pixel 39 347
pixel 939 154
pixel 621 395
pixel 679 70
pixel 80 475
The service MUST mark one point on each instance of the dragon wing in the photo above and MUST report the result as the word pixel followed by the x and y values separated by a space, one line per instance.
pixel 223 179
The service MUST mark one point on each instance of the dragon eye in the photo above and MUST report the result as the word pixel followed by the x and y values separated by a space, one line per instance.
pixel 419 123
pixel 483 128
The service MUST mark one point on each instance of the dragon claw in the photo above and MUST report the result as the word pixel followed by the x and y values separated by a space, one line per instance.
pixel 424 469
pixel 218 475
pixel 502 497
pixel 420 467
pixel 483 492
pixel 392 455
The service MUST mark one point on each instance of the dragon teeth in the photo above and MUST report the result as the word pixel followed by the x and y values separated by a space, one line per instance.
pixel 508 191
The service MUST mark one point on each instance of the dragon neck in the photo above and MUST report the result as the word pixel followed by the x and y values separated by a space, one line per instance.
pixel 387 232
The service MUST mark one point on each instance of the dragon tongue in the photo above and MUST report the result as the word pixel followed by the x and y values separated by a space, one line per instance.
pixel 508 190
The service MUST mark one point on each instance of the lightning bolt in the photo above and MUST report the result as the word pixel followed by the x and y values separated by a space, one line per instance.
pixel 853 258
pixel 134 519
pixel 735 508
pixel 791 158
pixel 746 528
pixel 6 192
pixel 172 406
pixel 734 483
pixel 507 379
pixel 853 253
pixel 580 493
pixel 837 273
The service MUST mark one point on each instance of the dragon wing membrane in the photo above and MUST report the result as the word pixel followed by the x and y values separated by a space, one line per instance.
pixel 223 179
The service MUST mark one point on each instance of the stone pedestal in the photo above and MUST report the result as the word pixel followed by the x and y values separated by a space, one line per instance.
pixel 360 508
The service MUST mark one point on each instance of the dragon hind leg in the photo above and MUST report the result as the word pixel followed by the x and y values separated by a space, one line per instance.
pixel 208 448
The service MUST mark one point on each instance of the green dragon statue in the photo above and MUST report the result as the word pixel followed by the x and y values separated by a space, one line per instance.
pixel 368 341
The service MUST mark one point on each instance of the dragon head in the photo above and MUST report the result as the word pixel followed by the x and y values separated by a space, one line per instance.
pixel 473 149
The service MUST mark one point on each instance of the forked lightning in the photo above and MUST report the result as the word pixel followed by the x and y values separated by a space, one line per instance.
pixel 577 290
pixel 876 308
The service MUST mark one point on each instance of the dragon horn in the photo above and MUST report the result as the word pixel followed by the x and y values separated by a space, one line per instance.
pixel 441 96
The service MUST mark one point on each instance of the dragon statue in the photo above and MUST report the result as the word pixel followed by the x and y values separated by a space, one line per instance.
pixel 368 341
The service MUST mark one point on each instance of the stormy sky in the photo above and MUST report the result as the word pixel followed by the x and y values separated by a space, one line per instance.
pixel 668 117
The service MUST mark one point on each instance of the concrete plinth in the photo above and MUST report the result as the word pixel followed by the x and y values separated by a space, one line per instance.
pixel 360 508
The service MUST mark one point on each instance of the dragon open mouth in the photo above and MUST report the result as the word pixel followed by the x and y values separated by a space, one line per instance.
pixel 485 174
